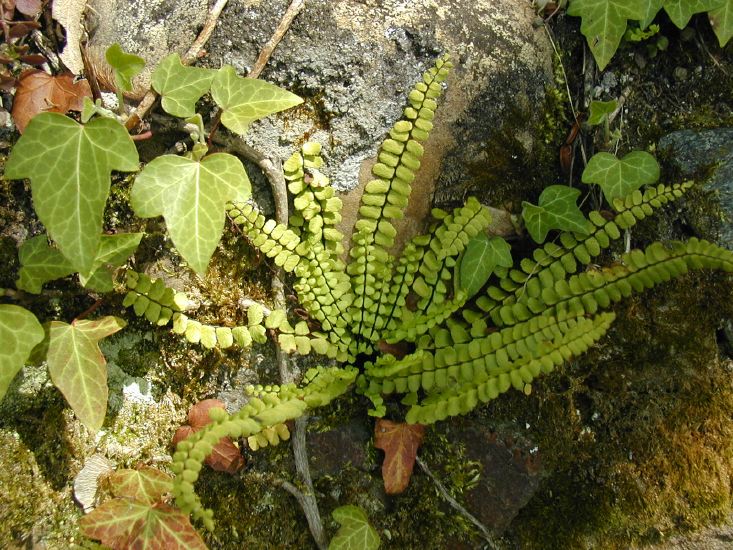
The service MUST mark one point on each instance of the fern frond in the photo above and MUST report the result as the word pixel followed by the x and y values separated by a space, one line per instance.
pixel 556 260
pixel 386 196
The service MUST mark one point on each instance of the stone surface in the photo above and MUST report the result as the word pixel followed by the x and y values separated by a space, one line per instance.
pixel 329 452
pixel 711 150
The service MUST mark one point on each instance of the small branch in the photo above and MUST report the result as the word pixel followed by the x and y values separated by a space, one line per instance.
pixel 457 506
pixel 291 13
pixel 189 57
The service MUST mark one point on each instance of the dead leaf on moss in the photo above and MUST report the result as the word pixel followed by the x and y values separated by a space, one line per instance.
pixel 31 8
pixel 39 92
pixel 70 13
pixel 226 456
pixel 400 443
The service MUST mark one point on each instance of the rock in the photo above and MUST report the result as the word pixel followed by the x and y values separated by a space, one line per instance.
pixel 330 451
pixel 510 475
pixel 695 151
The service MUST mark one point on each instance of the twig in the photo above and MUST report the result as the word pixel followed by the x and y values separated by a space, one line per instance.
pixel 457 506
pixel 189 57
pixel 291 13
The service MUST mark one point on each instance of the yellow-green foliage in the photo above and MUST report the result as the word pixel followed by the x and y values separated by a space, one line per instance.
pixel 450 351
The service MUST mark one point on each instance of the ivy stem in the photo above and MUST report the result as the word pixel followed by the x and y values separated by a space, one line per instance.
pixel 87 312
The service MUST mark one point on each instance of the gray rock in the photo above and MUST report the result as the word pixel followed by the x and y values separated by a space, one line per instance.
pixel 695 151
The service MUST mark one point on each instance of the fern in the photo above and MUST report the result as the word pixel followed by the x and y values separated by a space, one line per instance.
pixel 459 350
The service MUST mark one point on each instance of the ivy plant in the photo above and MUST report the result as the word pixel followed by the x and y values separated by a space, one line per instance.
pixel 603 22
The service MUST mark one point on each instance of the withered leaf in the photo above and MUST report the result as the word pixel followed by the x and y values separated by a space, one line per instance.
pixel 198 416
pixel 40 92
pixel 31 8
pixel 400 443
pixel 225 457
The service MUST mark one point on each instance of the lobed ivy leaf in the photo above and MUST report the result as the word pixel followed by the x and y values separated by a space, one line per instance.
pixel 482 255
pixel 557 209
pixel 355 532
pixel 180 86
pixel 650 9
pixel 721 18
pixel 680 11
pixel 146 484
pixel 600 110
pixel 114 250
pixel 604 23
pixel 619 177
pixel 20 332
pixel 69 166
pixel 244 100
pixel 191 195
pixel 400 443
pixel 77 366
pixel 123 523
pixel 126 66
pixel 40 263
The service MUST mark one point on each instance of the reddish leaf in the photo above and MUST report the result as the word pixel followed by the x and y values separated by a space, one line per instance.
pixel 31 8
pixel 129 524
pixel 18 29
pixel 399 443
pixel 225 456
pixel 39 92
pixel 198 416
pixel 146 485
pixel 33 59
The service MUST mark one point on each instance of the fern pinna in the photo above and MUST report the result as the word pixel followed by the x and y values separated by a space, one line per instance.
pixel 463 350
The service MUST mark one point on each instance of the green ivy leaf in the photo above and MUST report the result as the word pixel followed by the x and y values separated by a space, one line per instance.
pixel 146 484
pixel 600 110
pixel 680 11
pixel 650 8
pixel 20 332
pixel 482 255
pixel 180 86
pixel 355 532
pixel 69 167
pixel 114 250
pixel 77 366
pixel 40 264
pixel 721 19
pixel 126 523
pixel 557 209
pixel 191 195
pixel 604 23
pixel 617 178
pixel 126 66
pixel 244 100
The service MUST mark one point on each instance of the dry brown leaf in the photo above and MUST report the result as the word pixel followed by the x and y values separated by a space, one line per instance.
pixel 70 13
pixel 39 92
pixel 225 457
pixel 400 443
pixel 31 8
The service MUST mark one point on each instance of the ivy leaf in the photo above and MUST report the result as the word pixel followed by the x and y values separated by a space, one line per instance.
pixel 399 442
pixel 600 110
pixel 77 366
pixel 126 66
pixel 721 19
pixel 180 86
pixel 40 92
pixel 557 209
pixel 69 167
pixel 604 23
pixel 617 178
pixel 650 8
pixel 680 11
pixel 146 485
pixel 20 332
pixel 355 532
pixel 482 255
pixel 124 523
pixel 114 250
pixel 191 195
pixel 244 100
pixel 40 264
